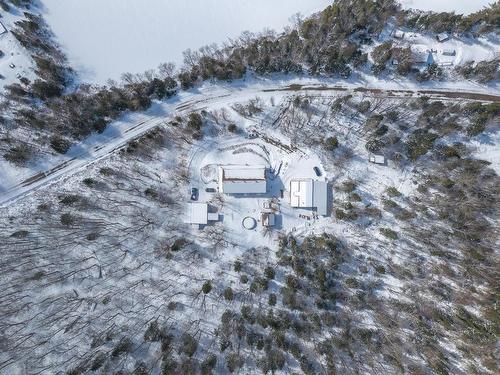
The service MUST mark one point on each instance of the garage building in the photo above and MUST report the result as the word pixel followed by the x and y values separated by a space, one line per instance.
pixel 307 193
pixel 242 179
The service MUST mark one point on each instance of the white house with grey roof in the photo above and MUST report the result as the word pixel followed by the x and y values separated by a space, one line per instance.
pixel 197 214
pixel 311 194
pixel 242 179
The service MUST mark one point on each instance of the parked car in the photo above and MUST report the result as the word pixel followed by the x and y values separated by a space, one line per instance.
pixel 194 194
pixel 317 171
pixel 252 135
pixel 211 190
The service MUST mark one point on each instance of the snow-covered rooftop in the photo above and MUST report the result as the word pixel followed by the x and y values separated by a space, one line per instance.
pixel 242 179
pixel 301 193
pixel 198 213
pixel 243 172
pixel 307 193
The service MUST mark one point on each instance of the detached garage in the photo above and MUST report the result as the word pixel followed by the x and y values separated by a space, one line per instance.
pixel 307 193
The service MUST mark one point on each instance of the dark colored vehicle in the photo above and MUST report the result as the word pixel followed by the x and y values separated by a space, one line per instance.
pixel 210 190
pixel 317 171
pixel 194 194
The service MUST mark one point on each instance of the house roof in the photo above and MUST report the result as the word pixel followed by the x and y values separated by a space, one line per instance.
pixel 268 219
pixel 243 172
pixel 198 213
pixel 301 193
pixel 320 197
pixel 242 179
pixel 442 36
pixel 308 193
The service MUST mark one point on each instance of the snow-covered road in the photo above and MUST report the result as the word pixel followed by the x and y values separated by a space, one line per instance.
pixel 133 126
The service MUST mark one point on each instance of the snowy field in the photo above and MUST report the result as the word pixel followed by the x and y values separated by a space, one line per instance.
pixel 104 39
pixel 15 61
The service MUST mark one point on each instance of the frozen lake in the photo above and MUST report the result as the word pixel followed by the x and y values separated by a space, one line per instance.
pixel 105 38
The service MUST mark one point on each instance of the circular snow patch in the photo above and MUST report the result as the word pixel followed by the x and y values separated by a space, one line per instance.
pixel 249 223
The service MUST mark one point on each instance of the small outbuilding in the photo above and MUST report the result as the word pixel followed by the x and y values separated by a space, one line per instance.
pixel 449 52
pixel 197 214
pixel 399 34
pixel 377 159
pixel 268 219
pixel 443 37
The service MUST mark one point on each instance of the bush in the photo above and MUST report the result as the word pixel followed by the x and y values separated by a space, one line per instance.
pixel 331 143
pixel 179 244
pixel 269 272
pixel 124 346
pixel 403 57
pixel 349 186
pixel 374 145
pixel 188 345
pixel 141 369
pixel 19 155
pixel 207 287
pixel 153 333
pixel 228 294
pixel 272 299
pixel 419 143
pixel 98 361
pixel 232 128
pixel 67 220
pixel 356 197
pixel 237 266
pixel 195 122
pixel 389 233
pixel 381 54
pixel 208 364
pixel 60 145
pixel 393 192
pixel 20 234
pixel 233 362
pixel 476 128
pixel 89 182
pixel 432 72
pixel 69 200
pixel 364 106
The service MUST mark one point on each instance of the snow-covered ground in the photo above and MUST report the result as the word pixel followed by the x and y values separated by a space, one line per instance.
pixel 90 261
pixel 15 61
pixel 207 96
pixel 104 39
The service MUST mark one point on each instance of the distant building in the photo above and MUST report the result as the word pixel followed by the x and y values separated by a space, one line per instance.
pixel 377 159
pixel 307 193
pixel 198 214
pixel 443 37
pixel 242 179
pixel 398 34
pixel 268 219
pixel 421 54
